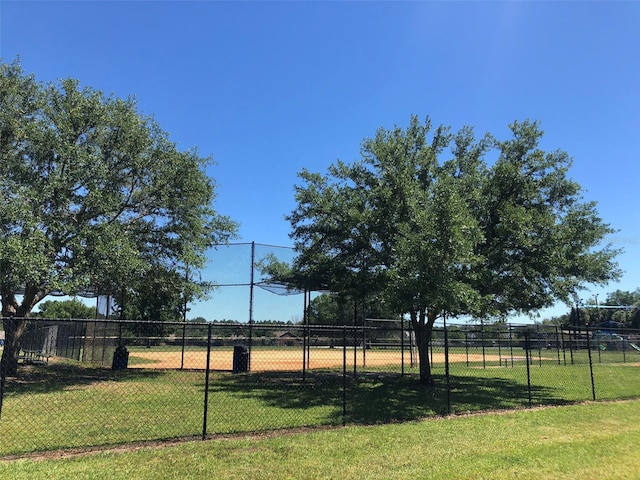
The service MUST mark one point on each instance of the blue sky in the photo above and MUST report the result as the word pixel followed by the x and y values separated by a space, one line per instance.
pixel 268 88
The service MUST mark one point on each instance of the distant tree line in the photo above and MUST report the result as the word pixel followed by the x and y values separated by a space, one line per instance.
pixel 604 313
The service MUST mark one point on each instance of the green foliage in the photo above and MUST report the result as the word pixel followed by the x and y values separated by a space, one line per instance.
pixel 594 313
pixel 437 236
pixel 96 194
pixel 327 310
pixel 331 309
pixel 627 317
pixel 620 297
pixel 73 308
pixel 156 296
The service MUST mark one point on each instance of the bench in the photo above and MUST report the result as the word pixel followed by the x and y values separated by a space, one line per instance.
pixel 34 357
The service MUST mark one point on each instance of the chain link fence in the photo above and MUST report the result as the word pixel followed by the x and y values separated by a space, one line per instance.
pixel 89 383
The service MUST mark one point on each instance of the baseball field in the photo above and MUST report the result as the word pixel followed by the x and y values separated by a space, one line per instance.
pixel 292 358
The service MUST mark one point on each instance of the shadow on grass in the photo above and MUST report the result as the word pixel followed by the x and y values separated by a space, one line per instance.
pixel 471 394
pixel 59 376
pixel 372 399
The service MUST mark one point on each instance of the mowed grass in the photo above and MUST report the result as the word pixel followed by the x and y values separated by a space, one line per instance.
pixel 594 441
pixel 71 406
pixel 68 405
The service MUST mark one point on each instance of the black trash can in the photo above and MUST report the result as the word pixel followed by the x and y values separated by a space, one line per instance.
pixel 240 359
pixel 120 358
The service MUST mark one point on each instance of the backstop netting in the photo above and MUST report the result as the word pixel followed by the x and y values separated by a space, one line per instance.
pixel 241 291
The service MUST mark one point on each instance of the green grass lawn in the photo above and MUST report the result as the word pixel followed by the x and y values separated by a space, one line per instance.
pixel 69 405
pixel 61 407
pixel 597 441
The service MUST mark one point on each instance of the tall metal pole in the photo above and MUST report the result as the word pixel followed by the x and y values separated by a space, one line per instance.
pixel 253 262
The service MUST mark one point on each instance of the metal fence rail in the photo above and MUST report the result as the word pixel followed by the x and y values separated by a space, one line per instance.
pixel 87 383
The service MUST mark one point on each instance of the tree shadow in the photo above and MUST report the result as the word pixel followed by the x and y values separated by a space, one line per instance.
pixel 56 377
pixel 287 390
pixel 369 398
pixel 379 398
pixel 495 393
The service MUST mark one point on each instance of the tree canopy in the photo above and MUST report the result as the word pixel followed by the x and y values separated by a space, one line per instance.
pixel 72 308
pixel 332 309
pixel 95 195
pixel 425 221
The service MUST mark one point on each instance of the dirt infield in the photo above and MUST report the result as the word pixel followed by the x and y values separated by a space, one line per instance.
pixel 279 359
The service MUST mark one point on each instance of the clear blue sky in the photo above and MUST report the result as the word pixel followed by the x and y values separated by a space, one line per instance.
pixel 268 88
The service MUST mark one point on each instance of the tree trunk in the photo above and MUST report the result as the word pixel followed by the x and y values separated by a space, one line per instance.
pixel 13 330
pixel 422 340
pixel 15 323
pixel 422 321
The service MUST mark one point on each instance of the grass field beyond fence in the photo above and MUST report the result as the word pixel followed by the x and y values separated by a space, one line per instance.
pixel 69 404
pixel 62 406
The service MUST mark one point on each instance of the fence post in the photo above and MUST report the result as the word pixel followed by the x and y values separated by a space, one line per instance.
pixel 355 338
pixel 446 369
pixel 527 353
pixel 344 375
pixel 593 385
pixel 305 334
pixel 304 352
pixel 184 339
pixel 402 346
pixel 571 342
pixel 3 376
pixel 466 345
pixel 484 358
pixel 206 385
pixel 538 338
pixel 511 344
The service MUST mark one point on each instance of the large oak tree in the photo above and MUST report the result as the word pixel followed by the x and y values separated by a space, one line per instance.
pixel 94 196
pixel 424 219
